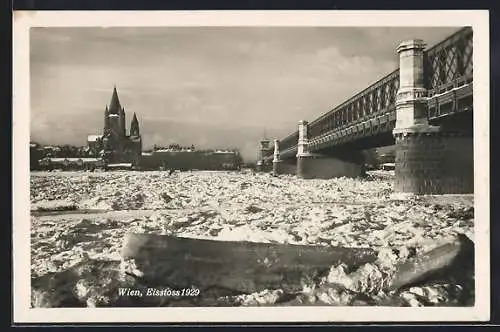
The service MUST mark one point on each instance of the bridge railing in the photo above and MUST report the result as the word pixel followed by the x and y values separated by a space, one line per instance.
pixel 287 143
pixel 378 98
pixel 290 141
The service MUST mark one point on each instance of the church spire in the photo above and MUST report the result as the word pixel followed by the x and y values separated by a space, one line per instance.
pixel 114 105
pixel 106 120
pixel 134 127
pixel 123 126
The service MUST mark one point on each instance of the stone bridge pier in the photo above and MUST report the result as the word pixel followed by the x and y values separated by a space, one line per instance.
pixel 283 166
pixel 276 159
pixel 429 160
pixel 326 165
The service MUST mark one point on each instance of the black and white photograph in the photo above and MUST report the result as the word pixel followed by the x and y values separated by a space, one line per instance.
pixel 272 167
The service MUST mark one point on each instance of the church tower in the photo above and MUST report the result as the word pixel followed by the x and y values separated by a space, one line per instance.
pixel 136 141
pixel 117 146
pixel 134 127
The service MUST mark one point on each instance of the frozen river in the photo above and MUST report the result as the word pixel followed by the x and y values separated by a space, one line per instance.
pixel 78 216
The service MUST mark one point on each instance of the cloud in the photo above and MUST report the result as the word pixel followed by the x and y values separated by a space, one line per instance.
pixel 208 86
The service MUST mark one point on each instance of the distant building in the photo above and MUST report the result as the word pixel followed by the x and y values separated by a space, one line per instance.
pixel 188 159
pixel 67 164
pixel 114 145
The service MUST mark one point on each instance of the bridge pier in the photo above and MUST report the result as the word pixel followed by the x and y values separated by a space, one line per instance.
pixel 276 159
pixel 428 159
pixel 258 166
pixel 434 162
pixel 337 163
pixel 304 158
pixel 262 165
pixel 305 166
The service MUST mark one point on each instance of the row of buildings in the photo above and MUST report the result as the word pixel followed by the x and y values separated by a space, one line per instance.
pixel 118 148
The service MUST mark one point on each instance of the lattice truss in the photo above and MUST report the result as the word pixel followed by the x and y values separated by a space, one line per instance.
pixel 289 141
pixel 446 65
pixel 448 62
pixel 379 98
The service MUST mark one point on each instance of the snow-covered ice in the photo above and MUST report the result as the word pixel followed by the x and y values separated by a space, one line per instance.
pixel 96 210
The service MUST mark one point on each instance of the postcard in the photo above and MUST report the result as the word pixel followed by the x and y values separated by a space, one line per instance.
pixel 251 166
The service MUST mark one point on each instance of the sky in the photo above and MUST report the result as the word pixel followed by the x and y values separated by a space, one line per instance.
pixel 214 87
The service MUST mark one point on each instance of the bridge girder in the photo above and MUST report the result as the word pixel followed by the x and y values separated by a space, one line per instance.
pixel 372 132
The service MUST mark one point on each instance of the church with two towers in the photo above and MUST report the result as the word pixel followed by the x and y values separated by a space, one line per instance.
pixel 114 145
